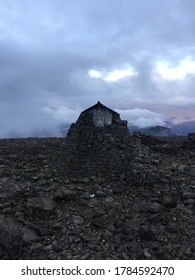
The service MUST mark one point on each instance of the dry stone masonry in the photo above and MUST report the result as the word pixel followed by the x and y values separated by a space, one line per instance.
pixel 97 145
pixel 191 141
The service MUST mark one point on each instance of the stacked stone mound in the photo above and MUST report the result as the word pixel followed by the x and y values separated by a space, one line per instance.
pixel 97 146
pixel 189 143
pixel 191 139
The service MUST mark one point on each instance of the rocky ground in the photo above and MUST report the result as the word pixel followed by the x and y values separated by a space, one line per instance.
pixel 46 216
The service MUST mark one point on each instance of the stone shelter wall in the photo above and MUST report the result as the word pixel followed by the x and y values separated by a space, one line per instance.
pixel 97 151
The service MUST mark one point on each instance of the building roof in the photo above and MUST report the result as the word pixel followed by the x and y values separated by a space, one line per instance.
pixel 99 105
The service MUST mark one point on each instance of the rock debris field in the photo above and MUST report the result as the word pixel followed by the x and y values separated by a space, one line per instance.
pixel 46 215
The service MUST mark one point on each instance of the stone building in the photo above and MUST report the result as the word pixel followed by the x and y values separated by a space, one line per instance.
pixel 97 145
pixel 99 116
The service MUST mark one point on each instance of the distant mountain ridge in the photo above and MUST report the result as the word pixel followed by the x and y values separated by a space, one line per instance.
pixel 183 128
pixel 179 129
pixel 154 130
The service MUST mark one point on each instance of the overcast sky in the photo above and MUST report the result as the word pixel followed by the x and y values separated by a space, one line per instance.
pixel 59 57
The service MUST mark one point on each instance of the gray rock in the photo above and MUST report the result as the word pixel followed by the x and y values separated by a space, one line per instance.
pixel 188 194
pixel 109 199
pixel 146 253
pixel 36 246
pixel 77 220
pixel 182 167
pixel 5 205
pixel 189 201
pixel 29 235
pixel 125 256
pixel 11 237
pixel 152 207
pixel 193 247
pixel 100 194
pixel 135 247
pixel 85 180
pixel 64 194
pixel 39 204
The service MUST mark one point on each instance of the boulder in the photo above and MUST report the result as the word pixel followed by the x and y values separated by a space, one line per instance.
pixel 64 194
pixel 152 207
pixel 11 238
pixel 39 204
pixel 188 194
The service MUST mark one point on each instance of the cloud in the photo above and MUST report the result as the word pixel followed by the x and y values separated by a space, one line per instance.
pixel 26 121
pixel 61 113
pixel 114 75
pixel 142 117
pixel 31 82
pixel 47 49
pixel 185 67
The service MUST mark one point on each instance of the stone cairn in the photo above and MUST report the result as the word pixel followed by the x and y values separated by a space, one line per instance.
pixel 98 145
pixel 191 139
pixel 189 143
